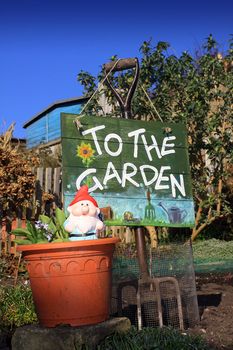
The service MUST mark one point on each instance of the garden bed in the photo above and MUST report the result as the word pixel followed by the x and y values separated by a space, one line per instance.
pixel 215 295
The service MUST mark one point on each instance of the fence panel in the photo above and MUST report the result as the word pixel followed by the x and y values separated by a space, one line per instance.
pixel 46 197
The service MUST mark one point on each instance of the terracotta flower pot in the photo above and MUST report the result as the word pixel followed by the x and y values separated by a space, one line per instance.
pixel 71 281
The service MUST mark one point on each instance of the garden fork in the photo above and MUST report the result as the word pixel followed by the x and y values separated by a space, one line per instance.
pixel 125 103
pixel 145 280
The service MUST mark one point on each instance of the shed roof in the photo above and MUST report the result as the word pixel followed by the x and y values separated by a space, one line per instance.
pixel 54 105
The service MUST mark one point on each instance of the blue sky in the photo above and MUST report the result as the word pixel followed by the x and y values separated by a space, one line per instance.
pixel 45 43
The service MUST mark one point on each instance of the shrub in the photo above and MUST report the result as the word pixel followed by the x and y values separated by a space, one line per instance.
pixel 16 307
pixel 16 172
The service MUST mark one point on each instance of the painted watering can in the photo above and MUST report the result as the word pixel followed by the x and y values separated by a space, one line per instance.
pixel 175 214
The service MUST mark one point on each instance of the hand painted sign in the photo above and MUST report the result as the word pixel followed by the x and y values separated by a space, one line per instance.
pixel 138 170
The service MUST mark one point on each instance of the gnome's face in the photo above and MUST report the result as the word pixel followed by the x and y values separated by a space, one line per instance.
pixel 84 207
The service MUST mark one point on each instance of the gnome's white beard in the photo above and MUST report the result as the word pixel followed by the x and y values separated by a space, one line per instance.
pixel 84 223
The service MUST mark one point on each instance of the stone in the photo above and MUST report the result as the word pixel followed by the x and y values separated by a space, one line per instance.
pixel 34 337
pixel 4 340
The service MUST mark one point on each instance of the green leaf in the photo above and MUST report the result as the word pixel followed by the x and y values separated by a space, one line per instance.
pixel 25 233
pixel 60 216
pixel 45 219
pixel 49 221
pixel 22 241
pixel 31 228
pixel 20 232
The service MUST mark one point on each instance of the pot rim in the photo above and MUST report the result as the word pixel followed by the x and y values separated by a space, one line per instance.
pixel 68 244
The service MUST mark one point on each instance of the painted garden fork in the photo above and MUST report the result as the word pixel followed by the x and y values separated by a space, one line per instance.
pixel 149 210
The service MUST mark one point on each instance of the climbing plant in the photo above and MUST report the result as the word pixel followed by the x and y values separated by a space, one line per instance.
pixel 196 90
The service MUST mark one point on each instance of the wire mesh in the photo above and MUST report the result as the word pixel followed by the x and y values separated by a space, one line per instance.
pixel 156 302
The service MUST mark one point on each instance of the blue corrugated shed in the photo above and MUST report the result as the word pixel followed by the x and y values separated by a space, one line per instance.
pixel 45 127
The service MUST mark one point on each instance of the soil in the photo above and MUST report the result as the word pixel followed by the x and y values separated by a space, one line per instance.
pixel 215 300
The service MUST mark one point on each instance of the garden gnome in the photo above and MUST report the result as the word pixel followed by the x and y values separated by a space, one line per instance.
pixel 83 222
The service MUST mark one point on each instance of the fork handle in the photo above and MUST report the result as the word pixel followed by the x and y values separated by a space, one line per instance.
pixel 141 252
pixel 124 63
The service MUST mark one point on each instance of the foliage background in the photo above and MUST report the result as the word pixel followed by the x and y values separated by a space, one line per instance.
pixel 197 91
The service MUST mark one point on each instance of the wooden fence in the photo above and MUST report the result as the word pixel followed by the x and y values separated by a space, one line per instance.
pixel 48 195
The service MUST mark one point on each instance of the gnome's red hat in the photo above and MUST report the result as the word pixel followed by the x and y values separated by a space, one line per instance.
pixel 82 195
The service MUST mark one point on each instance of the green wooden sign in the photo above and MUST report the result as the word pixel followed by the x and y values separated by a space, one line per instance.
pixel 138 171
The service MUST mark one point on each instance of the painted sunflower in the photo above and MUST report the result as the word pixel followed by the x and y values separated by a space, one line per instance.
pixel 86 153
